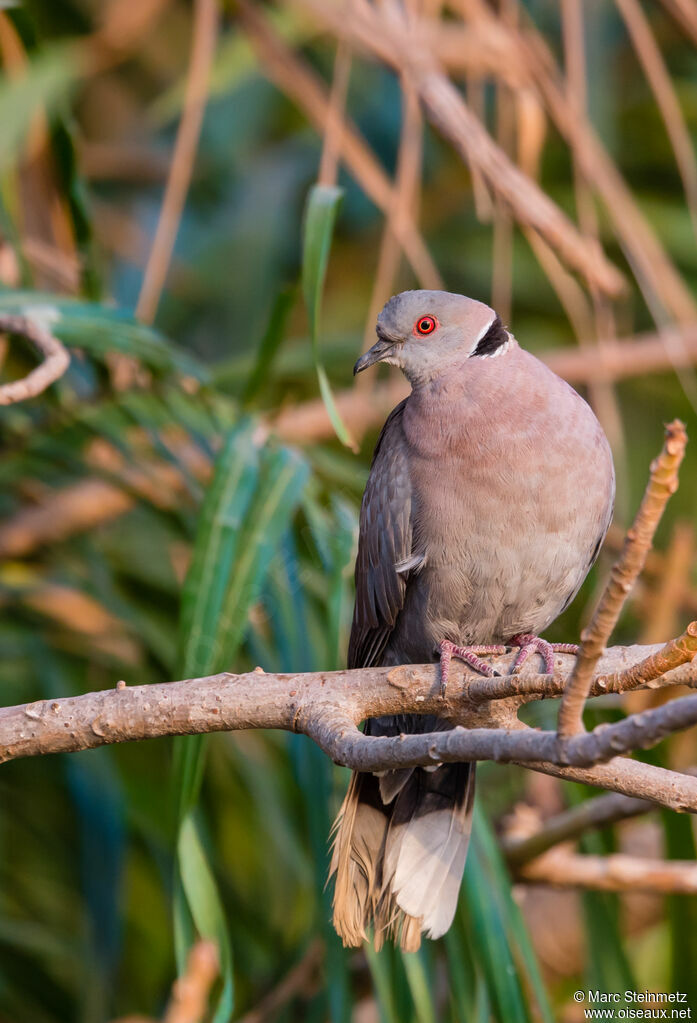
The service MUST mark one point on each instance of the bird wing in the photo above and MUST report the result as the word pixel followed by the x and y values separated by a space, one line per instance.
pixel 384 546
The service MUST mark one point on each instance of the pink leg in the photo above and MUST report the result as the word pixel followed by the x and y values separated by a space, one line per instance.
pixel 530 644
pixel 468 654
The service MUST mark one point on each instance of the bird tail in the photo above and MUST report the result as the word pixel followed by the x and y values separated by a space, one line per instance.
pixel 400 843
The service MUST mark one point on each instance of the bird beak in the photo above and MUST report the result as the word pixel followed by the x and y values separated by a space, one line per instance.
pixel 384 344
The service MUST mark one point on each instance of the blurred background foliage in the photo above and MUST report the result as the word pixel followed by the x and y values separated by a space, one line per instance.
pixel 124 557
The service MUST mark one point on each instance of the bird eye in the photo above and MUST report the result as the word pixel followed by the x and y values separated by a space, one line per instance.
pixel 425 325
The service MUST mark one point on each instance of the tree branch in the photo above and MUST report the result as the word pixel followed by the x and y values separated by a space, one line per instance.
pixel 328 706
pixel 616 872
pixel 521 845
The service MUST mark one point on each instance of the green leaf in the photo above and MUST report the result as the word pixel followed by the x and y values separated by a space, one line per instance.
pixel 247 508
pixel 203 901
pixel 221 523
pixel 270 343
pixel 318 226
pixel 486 918
pixel 515 926
pixel 44 84
pixel 283 474
pixel 379 964
pixel 682 911
pixel 417 978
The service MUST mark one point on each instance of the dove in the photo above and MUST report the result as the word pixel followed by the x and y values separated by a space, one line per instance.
pixel 490 493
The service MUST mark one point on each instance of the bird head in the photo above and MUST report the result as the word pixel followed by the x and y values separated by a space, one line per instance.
pixel 426 332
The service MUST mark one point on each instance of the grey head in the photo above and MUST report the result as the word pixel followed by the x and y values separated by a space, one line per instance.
pixel 426 332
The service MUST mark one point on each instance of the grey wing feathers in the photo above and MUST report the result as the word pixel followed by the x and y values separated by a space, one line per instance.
pixel 384 544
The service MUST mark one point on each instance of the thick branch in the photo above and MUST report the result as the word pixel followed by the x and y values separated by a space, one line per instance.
pixel 327 706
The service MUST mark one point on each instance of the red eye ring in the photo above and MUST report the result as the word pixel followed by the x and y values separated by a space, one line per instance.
pixel 425 325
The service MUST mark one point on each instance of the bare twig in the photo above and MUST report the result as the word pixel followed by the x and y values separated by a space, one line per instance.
pixel 658 76
pixel 329 162
pixel 614 873
pixel 663 482
pixel 590 815
pixel 678 651
pixel 205 32
pixel 294 982
pixel 56 360
pixel 409 54
pixel 290 74
pixel 190 992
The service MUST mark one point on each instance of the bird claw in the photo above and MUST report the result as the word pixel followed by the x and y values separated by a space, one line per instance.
pixel 530 644
pixel 470 655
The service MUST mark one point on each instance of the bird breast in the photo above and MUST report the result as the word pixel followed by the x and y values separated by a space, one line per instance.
pixel 512 489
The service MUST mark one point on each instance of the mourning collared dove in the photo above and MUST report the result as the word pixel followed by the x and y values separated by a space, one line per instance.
pixel 490 493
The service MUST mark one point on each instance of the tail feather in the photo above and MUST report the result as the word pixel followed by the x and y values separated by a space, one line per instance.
pixel 359 834
pixel 426 846
pixel 398 863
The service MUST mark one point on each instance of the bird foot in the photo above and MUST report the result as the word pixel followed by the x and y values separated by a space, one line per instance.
pixel 530 644
pixel 470 655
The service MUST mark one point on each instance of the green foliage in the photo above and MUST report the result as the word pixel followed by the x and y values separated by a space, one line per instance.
pixel 320 214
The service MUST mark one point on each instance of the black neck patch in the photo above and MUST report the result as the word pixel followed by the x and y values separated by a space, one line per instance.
pixel 495 336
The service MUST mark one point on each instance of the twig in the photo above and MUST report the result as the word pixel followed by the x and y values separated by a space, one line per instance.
pixel 590 815
pixel 616 872
pixel 658 76
pixel 290 74
pixel 662 483
pixel 408 52
pixel 55 360
pixel 329 161
pixel 190 992
pixel 294 982
pixel 205 32
pixel 630 777
pixel 678 651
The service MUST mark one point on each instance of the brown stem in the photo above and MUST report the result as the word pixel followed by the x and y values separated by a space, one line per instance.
pixel 205 33
pixel 55 360
pixel 614 873
pixel 663 482
pixel 563 827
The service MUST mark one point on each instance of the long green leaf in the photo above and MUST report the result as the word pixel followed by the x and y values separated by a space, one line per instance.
pixel 270 343
pixel 418 980
pixel 318 226
pixel 203 901
pixel 45 83
pixel 283 474
pixel 516 930
pixel 246 510
pixel 487 938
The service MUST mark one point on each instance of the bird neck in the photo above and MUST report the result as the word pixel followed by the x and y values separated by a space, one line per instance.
pixel 469 393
